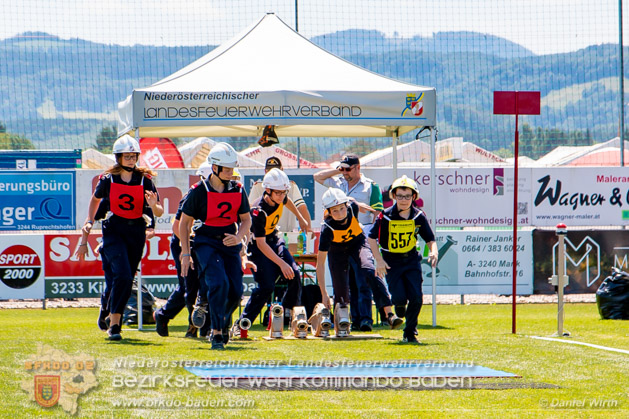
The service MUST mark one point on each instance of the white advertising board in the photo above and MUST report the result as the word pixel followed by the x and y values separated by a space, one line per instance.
pixel 468 197
pixel 580 196
pixel 480 262
pixel 21 266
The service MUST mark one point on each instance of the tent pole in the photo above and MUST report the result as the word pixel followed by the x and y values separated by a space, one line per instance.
pixel 394 145
pixel 298 152
pixel 621 80
pixel 433 215
pixel 139 275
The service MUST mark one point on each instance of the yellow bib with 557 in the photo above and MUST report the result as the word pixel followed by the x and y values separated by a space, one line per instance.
pixel 401 236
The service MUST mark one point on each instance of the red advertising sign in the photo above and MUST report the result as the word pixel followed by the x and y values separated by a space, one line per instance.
pixel 61 263
pixel 513 102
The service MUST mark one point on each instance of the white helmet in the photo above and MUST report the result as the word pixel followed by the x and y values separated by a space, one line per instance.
pixel 222 154
pixel 126 144
pixel 276 179
pixel 333 197
pixel 204 170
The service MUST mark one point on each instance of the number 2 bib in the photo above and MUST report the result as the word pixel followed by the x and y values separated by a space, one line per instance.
pixel 126 201
pixel 222 208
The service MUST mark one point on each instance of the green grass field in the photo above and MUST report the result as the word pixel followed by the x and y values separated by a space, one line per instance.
pixel 584 381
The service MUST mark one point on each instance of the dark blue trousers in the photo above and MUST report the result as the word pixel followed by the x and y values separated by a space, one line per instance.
pixel 104 297
pixel 186 292
pixel 220 267
pixel 360 296
pixel 360 256
pixel 265 277
pixel 405 284
pixel 123 244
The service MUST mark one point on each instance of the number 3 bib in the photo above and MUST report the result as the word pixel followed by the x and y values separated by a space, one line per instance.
pixel 126 201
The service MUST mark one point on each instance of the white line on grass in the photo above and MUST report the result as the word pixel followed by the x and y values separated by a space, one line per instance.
pixel 605 348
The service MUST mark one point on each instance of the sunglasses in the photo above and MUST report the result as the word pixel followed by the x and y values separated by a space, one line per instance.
pixel 346 169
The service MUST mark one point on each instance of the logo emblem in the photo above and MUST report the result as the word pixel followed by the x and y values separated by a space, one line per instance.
pixel 20 266
pixel 414 104
pixel 58 378
pixel 499 181
pixel 586 256
pixel 47 390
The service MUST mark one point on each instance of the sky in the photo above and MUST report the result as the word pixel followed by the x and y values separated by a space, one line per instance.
pixel 542 26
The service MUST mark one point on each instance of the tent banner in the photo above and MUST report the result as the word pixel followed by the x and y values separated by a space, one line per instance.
pixel 166 109
pixel 480 262
pixel 590 256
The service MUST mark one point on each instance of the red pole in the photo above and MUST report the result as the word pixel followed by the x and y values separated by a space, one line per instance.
pixel 515 215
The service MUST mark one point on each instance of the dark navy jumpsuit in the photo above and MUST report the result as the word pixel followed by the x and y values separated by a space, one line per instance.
pixel 186 292
pixel 218 265
pixel 398 238
pixel 345 241
pixel 264 219
pixel 124 234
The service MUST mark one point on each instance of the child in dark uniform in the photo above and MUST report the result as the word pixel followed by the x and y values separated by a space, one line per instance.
pixel 132 199
pixel 395 230
pixel 268 251
pixel 221 205
pixel 342 239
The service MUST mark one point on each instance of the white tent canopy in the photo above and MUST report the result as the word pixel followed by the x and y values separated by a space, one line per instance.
pixel 569 155
pixel 271 75
pixel 450 149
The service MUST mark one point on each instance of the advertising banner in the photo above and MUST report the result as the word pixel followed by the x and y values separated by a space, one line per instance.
pixel 468 197
pixel 580 196
pixel 590 256
pixel 480 262
pixel 67 277
pixel 21 267
pixel 37 200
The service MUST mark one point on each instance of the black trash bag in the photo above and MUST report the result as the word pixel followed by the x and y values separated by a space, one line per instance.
pixel 612 297
pixel 130 315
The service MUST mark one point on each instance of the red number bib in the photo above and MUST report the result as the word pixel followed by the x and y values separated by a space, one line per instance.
pixel 126 201
pixel 222 208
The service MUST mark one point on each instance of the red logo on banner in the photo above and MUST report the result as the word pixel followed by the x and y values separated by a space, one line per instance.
pixel 160 153
pixel 19 266
pixel 417 108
